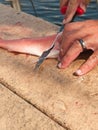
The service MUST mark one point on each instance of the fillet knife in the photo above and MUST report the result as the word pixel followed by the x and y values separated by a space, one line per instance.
pixel 46 52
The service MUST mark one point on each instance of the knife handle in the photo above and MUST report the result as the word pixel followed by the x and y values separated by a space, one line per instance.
pixel 79 10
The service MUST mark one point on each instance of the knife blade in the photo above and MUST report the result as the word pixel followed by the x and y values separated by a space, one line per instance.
pixel 46 52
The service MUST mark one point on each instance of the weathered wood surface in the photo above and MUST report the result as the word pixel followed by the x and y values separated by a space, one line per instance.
pixel 71 101
pixel 16 114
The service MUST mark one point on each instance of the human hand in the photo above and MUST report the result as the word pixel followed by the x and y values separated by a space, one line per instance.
pixel 72 6
pixel 70 48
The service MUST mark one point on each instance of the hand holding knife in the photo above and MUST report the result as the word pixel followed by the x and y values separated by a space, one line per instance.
pixel 46 53
pixel 79 10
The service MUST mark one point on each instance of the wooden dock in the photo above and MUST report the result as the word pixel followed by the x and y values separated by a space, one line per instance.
pixel 51 99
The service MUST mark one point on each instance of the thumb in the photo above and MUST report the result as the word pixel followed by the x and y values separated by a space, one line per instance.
pixel 71 10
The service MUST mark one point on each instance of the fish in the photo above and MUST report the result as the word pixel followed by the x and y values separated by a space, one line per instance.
pixel 32 46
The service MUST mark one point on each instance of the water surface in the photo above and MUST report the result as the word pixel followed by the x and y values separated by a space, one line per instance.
pixel 49 10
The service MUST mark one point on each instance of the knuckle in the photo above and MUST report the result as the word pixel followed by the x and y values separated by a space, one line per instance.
pixel 68 27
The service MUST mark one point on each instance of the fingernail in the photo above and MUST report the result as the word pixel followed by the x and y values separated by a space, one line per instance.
pixel 64 21
pixel 59 65
pixel 78 72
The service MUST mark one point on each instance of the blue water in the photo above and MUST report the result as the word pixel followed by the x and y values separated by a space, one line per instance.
pixel 46 9
pixel 49 10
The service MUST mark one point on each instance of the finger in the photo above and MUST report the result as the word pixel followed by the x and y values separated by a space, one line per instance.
pixel 70 55
pixel 71 10
pixel 73 26
pixel 66 42
pixel 88 65
pixel 69 38
pixel 63 2
pixel 84 4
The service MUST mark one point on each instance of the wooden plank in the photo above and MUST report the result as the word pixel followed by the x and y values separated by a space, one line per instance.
pixel 71 101
pixel 16 114
pixel 38 26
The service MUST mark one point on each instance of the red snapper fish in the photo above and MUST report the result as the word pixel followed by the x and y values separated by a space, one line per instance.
pixel 33 46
